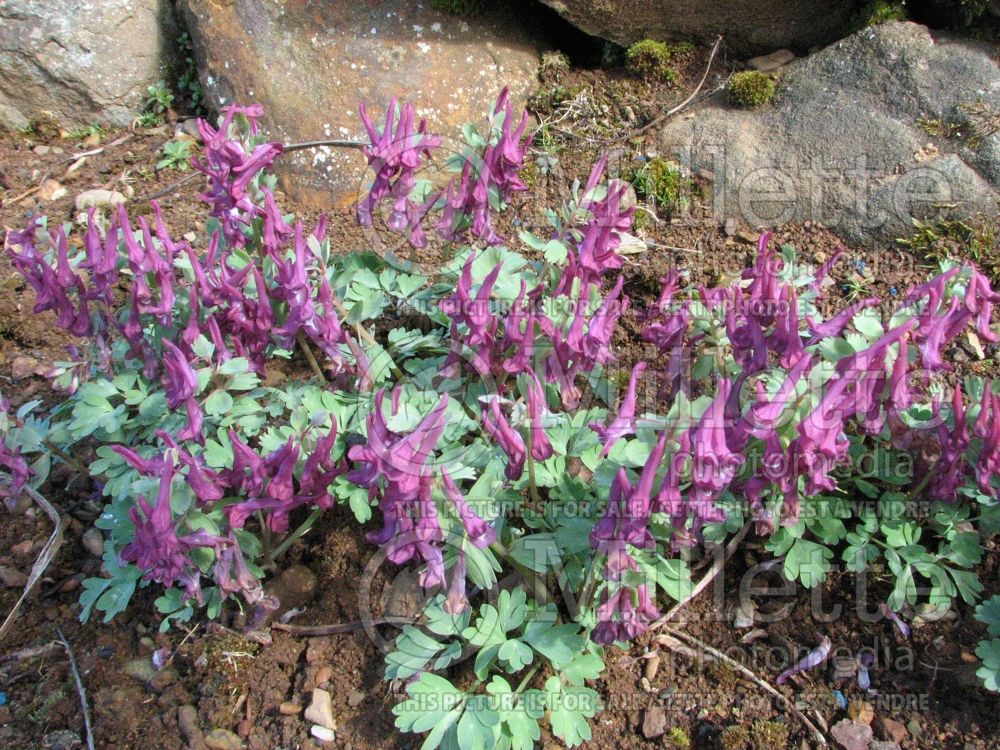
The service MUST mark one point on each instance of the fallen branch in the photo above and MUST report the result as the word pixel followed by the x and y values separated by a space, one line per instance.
pixel 717 566
pixel 674 110
pixel 79 689
pixel 309 631
pixel 29 653
pixel 818 736
pixel 44 558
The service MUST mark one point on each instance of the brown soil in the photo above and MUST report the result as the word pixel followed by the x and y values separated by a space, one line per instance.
pixel 239 685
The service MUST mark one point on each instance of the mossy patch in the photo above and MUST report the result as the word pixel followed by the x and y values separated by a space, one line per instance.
pixel 661 181
pixel 678 739
pixel 650 60
pixel 976 239
pixel 768 734
pixel 879 12
pixel 459 7
pixel 735 737
pixel 553 66
pixel 750 89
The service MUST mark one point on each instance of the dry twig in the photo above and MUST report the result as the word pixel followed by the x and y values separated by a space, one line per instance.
pixel 44 558
pixel 79 689
pixel 309 631
pixel 717 566
pixel 818 736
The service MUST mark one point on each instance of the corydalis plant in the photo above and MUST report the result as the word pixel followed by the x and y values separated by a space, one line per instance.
pixel 491 441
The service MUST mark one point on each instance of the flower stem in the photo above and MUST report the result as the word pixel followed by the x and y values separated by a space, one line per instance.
pixel 303 343
pixel 532 486
pixel 301 531
pixel 527 678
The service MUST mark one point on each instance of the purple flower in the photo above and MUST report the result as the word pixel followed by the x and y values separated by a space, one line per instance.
pixel 541 448
pixel 457 602
pixel 810 661
pixel 157 549
pixel 481 534
pixel 507 438
pixel 179 378
pixel 624 615
pixel 714 464
pixel 230 169
pixel 395 156
pixel 400 459
pixel 895 619
pixel 624 423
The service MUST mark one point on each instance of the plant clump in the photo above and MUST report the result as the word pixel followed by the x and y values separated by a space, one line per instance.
pixel 661 182
pixel 455 434
pixel 553 66
pixel 678 739
pixel 750 89
pixel 879 12
pixel 650 60
pixel 976 239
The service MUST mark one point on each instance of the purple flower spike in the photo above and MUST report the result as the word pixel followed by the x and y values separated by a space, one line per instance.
pixel 624 615
pixel 481 534
pixel 624 423
pixel 507 438
pixel 541 448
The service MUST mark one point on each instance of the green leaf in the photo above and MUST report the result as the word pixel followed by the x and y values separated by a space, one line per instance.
pixel 964 549
pixel 989 613
pixel 479 725
pixel 989 673
pixel 585 666
pixel 558 644
pixel 218 403
pixel 434 704
pixel 234 366
pixel 808 562
pixel 569 708
pixel 515 655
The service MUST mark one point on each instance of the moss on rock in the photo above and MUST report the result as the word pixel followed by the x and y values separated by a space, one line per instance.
pixel 750 89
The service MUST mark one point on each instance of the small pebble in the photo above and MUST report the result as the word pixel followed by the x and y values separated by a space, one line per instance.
pixel 323 675
pixel 289 708
pixel 323 734
pixel 223 739
pixel 93 542
pixel 320 710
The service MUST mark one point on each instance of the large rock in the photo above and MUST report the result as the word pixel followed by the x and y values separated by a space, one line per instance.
pixel 842 145
pixel 310 64
pixel 749 26
pixel 82 62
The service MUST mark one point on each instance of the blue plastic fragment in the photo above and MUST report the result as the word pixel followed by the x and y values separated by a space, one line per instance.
pixel 3 699
pixel 840 698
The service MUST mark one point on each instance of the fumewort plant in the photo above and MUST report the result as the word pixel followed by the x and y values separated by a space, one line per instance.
pixel 549 515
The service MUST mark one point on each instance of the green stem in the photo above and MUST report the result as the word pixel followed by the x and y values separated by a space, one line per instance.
pixel 265 540
pixel 527 678
pixel 303 343
pixel 301 531
pixel 533 487
pixel 67 459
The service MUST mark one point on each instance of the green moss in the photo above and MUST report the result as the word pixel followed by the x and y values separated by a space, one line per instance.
pixel 976 239
pixel 661 181
pixel 554 66
pixel 879 12
pixel 679 739
pixel 750 89
pixel 459 7
pixel 548 99
pixel 769 734
pixel 650 59
pixel 735 737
